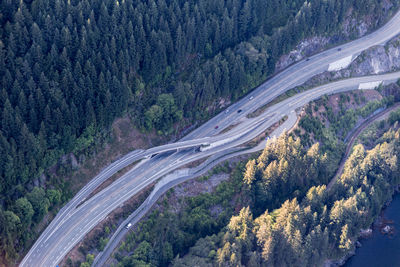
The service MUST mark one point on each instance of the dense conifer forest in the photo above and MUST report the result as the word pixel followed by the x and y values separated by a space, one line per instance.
pixel 311 228
pixel 68 68
pixel 276 210
pixel 304 225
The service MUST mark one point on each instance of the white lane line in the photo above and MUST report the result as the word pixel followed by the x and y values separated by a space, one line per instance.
pixel 387 31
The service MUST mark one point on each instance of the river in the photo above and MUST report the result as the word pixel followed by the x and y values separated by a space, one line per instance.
pixel 380 250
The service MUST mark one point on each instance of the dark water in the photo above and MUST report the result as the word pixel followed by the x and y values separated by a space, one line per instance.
pixel 380 250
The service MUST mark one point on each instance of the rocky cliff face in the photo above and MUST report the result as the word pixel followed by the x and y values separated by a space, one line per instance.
pixel 305 48
pixel 379 59
pixel 352 28
pixel 376 60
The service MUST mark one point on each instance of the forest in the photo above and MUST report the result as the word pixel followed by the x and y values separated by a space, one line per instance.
pixel 284 169
pixel 321 225
pixel 304 228
pixel 277 210
pixel 68 68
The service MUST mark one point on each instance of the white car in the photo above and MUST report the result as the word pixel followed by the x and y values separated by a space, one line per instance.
pixel 128 226
pixel 251 97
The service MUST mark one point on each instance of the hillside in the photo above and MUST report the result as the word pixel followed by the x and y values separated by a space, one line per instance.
pixel 69 68
pixel 275 209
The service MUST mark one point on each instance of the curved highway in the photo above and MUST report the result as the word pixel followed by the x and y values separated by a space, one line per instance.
pixel 167 183
pixel 73 221
pixel 176 178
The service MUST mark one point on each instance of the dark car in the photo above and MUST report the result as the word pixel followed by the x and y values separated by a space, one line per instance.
pixel 307 59
pixel 239 111
pixel 216 127
pixel 339 49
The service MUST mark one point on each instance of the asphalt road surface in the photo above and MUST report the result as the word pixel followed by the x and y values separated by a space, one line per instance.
pixel 181 176
pixel 79 216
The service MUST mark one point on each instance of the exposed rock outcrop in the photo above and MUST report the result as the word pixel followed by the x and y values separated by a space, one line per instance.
pixel 378 59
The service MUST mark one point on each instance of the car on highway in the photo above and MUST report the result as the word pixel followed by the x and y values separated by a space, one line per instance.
pixel 239 111
pixel 339 49
pixel 226 111
pixel 307 59
pixel 63 231
pixel 128 226
pixel 216 127
pixel 251 97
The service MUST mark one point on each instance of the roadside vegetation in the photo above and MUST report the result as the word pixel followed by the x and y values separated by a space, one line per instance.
pixel 285 216
pixel 168 233
pixel 305 231
pixel 180 219
pixel 96 240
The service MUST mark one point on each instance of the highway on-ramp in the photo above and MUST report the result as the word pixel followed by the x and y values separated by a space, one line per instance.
pixel 73 221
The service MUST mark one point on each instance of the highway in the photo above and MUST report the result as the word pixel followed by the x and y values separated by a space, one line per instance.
pixel 176 178
pixel 73 222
